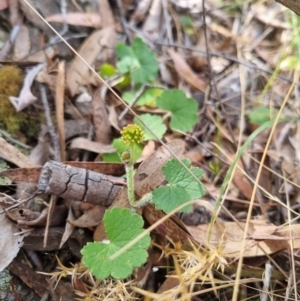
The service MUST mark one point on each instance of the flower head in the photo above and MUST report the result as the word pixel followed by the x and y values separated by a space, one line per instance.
pixel 131 134
pixel 126 157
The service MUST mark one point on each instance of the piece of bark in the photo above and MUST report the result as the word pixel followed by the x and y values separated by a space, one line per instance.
pixel 76 241
pixel 35 281
pixel 294 5
pixel 79 184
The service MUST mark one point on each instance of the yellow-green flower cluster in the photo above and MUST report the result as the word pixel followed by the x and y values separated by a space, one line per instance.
pixel 131 134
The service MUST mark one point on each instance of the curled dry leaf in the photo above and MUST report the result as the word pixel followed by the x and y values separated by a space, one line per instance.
pixel 10 243
pixel 90 218
pixel 26 97
pixel 186 72
pixel 92 146
pixel 100 42
pixel 27 217
pixel 79 19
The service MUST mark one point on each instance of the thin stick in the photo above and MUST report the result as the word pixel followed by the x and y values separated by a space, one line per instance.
pixel 50 125
pixel 12 140
pixel 6 48
pixel 20 203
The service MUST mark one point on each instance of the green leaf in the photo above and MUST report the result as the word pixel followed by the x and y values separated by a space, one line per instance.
pixel 148 98
pixel 155 123
pixel 138 60
pixel 121 226
pixel 261 115
pixel 183 109
pixel 182 186
pixel 120 146
pixel 107 70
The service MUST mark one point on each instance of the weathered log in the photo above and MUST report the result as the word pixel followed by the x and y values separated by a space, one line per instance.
pixel 79 184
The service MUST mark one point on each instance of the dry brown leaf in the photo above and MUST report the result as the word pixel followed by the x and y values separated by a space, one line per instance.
pixel 152 24
pixel 148 149
pixel 169 283
pixel 22 43
pixel 79 74
pixel 262 239
pixel 90 218
pixel 186 72
pixel 170 228
pixel 101 122
pixel 239 179
pixel 12 154
pixel 47 78
pixel 106 14
pixel 96 147
pixel 33 17
pixel 141 10
pixel 10 243
pixel 79 19
pixel 23 174
pixel 113 117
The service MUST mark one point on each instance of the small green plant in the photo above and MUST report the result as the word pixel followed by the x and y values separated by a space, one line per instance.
pixel 122 225
pixel 137 64
pixel 132 135
pixel 261 115
pixel 137 60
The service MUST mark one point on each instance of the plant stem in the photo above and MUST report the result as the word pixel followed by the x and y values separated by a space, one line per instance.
pixel 130 184
pixel 144 200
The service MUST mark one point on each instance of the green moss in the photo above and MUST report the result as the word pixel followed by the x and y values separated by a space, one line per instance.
pixel 11 80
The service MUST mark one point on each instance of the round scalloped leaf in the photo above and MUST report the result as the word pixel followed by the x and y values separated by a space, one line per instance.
pixel 155 123
pixel 183 109
pixel 181 189
pixel 121 226
pixel 138 60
